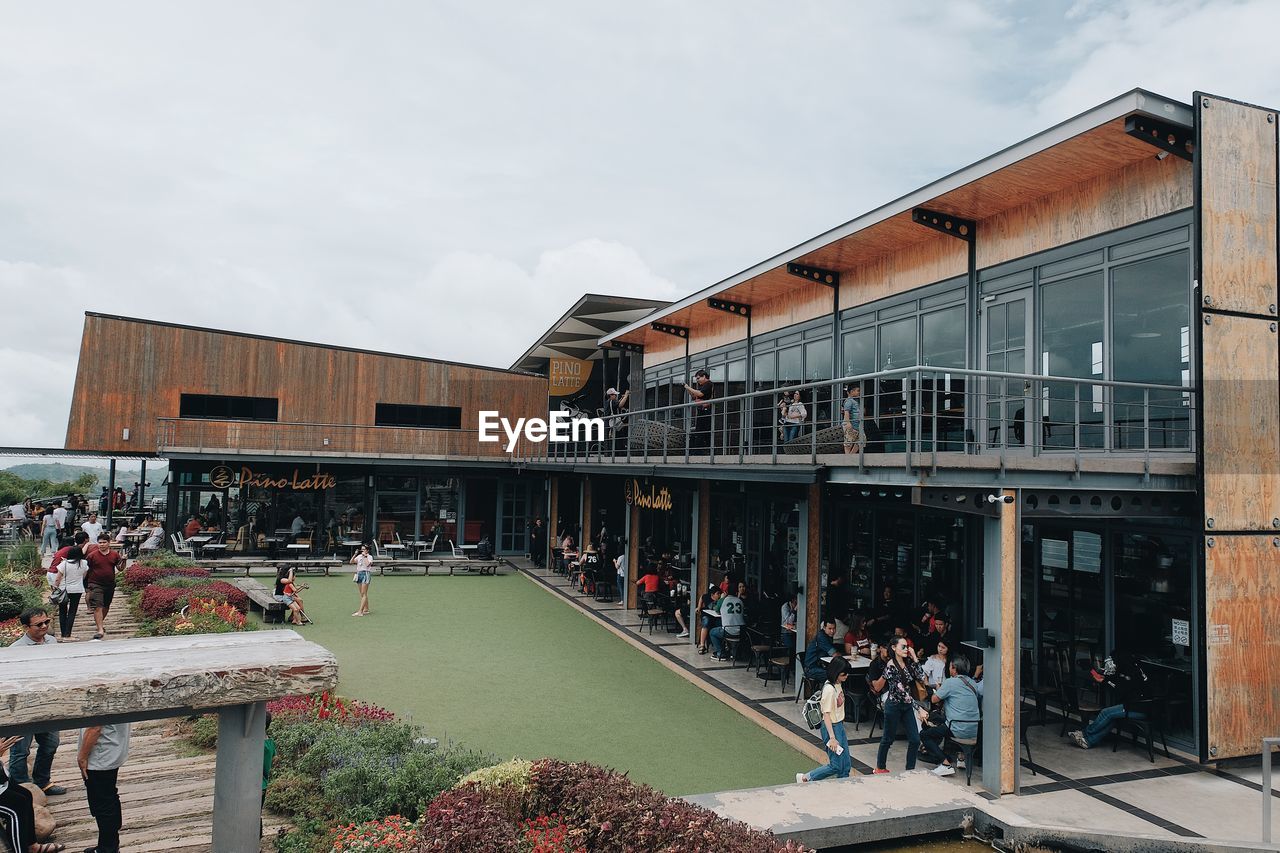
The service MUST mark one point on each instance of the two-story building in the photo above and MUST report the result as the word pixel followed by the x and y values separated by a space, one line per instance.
pixel 1064 429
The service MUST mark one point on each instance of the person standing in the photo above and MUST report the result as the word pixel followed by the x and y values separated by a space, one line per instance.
pixel 92 528
pixel 620 567
pixel 364 572
pixel 901 675
pixel 35 622
pixel 70 579
pixel 48 533
pixel 615 418
pixel 103 749
pixel 702 392
pixel 831 704
pixel 794 415
pixel 851 418
pixel 100 581
pixel 538 543
pixel 60 517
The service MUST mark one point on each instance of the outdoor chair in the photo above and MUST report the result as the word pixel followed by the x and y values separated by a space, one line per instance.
pixel 807 686
pixel 734 643
pixel 760 648
pixel 777 665
pixel 1153 711
pixel 181 548
pixel 604 584
pixel 855 696
pixel 659 610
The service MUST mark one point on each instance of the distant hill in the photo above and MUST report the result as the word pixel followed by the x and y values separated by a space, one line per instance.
pixel 58 472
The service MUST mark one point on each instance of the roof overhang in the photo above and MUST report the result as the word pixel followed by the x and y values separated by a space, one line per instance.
pixel 576 333
pixel 61 453
pixel 1086 146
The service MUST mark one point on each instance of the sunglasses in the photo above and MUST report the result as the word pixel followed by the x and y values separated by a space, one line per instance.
pixel 40 624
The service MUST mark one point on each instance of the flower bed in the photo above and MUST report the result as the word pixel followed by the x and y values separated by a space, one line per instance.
pixel 581 807
pixel 157 602
pixel 391 833
pixel 140 575
pixel 328 706
pixel 203 616
pixel 10 630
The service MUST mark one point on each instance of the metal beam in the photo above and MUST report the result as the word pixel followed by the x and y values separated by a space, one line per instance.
pixel 817 275
pixel 1173 138
pixel 739 308
pixel 626 346
pixel 668 329
pixel 945 223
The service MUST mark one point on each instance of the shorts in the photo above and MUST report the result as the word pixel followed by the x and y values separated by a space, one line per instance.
pixel 362 577
pixel 100 596
pixel 852 437
pixel 285 599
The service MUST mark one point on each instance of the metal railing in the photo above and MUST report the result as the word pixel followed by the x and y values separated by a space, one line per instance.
pixel 1268 743
pixel 338 439
pixel 917 412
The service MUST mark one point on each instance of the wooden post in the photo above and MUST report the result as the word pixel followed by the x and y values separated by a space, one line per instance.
pixel 812 560
pixel 633 555
pixel 1000 732
pixel 703 553
pixel 111 495
pixel 237 781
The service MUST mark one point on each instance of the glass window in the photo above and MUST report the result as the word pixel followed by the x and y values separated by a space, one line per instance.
pixel 942 335
pixel 790 365
pixel 1150 303
pixel 898 344
pixel 943 338
pixel 1072 334
pixel 859 351
pixel 817 366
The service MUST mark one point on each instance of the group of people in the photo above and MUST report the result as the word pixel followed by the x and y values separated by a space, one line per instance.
pixel 84 570
pixel 101 751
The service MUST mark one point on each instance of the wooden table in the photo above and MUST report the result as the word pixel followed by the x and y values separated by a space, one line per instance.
pixel 856 662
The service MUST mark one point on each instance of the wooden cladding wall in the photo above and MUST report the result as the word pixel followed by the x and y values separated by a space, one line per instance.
pixel 133 372
pixel 1237 160
pixel 1144 189
pixel 1242 607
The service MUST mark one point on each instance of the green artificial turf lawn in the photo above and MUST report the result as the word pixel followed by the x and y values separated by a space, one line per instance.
pixel 502 665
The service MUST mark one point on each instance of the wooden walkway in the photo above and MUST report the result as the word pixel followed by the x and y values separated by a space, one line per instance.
pixel 166 791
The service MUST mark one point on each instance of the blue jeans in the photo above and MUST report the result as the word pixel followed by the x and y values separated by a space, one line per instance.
pixel 49 540
pixel 899 714
pixel 790 432
pixel 46 746
pixel 1102 723
pixel 837 765
pixel 717 639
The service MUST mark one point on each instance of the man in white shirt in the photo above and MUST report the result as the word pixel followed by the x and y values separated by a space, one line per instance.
pixel 60 516
pixel 296 529
pixel 92 527
pixel 732 621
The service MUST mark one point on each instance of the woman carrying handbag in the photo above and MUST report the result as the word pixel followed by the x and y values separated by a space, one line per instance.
pixel 70 583
pixel 904 682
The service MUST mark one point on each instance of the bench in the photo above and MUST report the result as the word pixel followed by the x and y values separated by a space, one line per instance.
pixel 406 567
pixel 72 685
pixel 482 567
pixel 272 608
pixel 234 566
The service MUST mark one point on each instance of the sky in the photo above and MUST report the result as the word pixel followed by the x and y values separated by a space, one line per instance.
pixel 446 178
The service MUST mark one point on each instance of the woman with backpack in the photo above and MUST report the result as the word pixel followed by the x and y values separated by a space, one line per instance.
pixel 831 705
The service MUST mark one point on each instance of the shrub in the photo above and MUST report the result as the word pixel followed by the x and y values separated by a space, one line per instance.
pixel 15 598
pixel 550 834
pixel 329 706
pixel 391 833
pixel 139 575
pixel 23 558
pixel 165 560
pixel 10 630
pixel 466 819
pixel 204 731
pixel 295 795
pixel 514 773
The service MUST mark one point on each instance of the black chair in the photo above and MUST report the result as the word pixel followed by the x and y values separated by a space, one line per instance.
pixel 1152 722
pixel 761 646
pixel 777 664
pixel 807 686
pixel 658 609
pixel 855 696
pixel 734 643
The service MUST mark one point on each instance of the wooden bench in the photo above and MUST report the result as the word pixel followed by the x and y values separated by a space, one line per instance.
pixel 235 566
pixel 406 567
pixel 73 685
pixel 272 608
pixel 481 567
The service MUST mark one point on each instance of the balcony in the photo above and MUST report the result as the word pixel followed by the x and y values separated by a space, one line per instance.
pixel 923 424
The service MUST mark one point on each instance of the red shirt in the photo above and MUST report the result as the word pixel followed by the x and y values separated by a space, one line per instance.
pixel 58 557
pixel 102 567
pixel 191 529
pixel 650 581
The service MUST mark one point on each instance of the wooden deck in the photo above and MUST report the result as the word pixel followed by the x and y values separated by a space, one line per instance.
pixel 166 790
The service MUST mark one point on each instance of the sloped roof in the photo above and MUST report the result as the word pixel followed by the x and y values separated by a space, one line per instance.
pixel 576 332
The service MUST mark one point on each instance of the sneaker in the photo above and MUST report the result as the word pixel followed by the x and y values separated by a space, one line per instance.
pixel 683 634
pixel 878 771
pixel 54 790
pixel 1078 737
pixel 97 637
pixel 943 770
pixel 801 778
pixel 959 765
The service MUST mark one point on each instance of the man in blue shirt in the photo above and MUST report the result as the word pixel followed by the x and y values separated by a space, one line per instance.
pixel 819 647
pixel 961 700
pixel 851 418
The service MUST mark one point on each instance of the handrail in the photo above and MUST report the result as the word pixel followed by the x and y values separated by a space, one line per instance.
pixel 1267 744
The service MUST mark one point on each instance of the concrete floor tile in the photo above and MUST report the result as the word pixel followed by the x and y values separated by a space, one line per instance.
pixel 1207 804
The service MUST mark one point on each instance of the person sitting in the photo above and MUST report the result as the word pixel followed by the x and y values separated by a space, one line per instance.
pixel 733 621
pixel 789 615
pixel 18 811
pixel 679 600
pixel 821 646
pixel 856 638
pixel 710 601
pixel 935 667
pixel 287 592
pixel 961 700
pixel 1129 684
pixel 941 633
pixel 153 541
pixel 191 528
pixel 648 586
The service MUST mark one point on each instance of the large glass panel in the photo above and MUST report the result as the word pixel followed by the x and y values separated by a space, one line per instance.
pixel 1150 303
pixel 853 552
pixel 439 517
pixel 895 563
pixel 396 517
pixel 790 366
pixel 858 349
pixel 763 415
pixel 817 366
pixel 897 349
pixel 1071 599
pixel 735 383
pixel 941 562
pixel 514 499
pixel 1004 345
pixel 942 335
pixel 1072 345
pixel 1154 618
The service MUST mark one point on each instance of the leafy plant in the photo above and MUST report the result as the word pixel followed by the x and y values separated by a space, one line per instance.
pixel 10 630
pixel 15 598
pixel 204 731
pixel 139 575
pixel 158 601
pixel 22 558
pixel 390 833
pixel 162 559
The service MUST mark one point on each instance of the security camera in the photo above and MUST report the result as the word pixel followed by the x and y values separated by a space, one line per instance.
pixel 999 499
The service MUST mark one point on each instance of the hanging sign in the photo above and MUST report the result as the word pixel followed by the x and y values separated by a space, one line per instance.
pixel 567 376
pixel 650 497
pixel 222 477
pixel 1181 634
